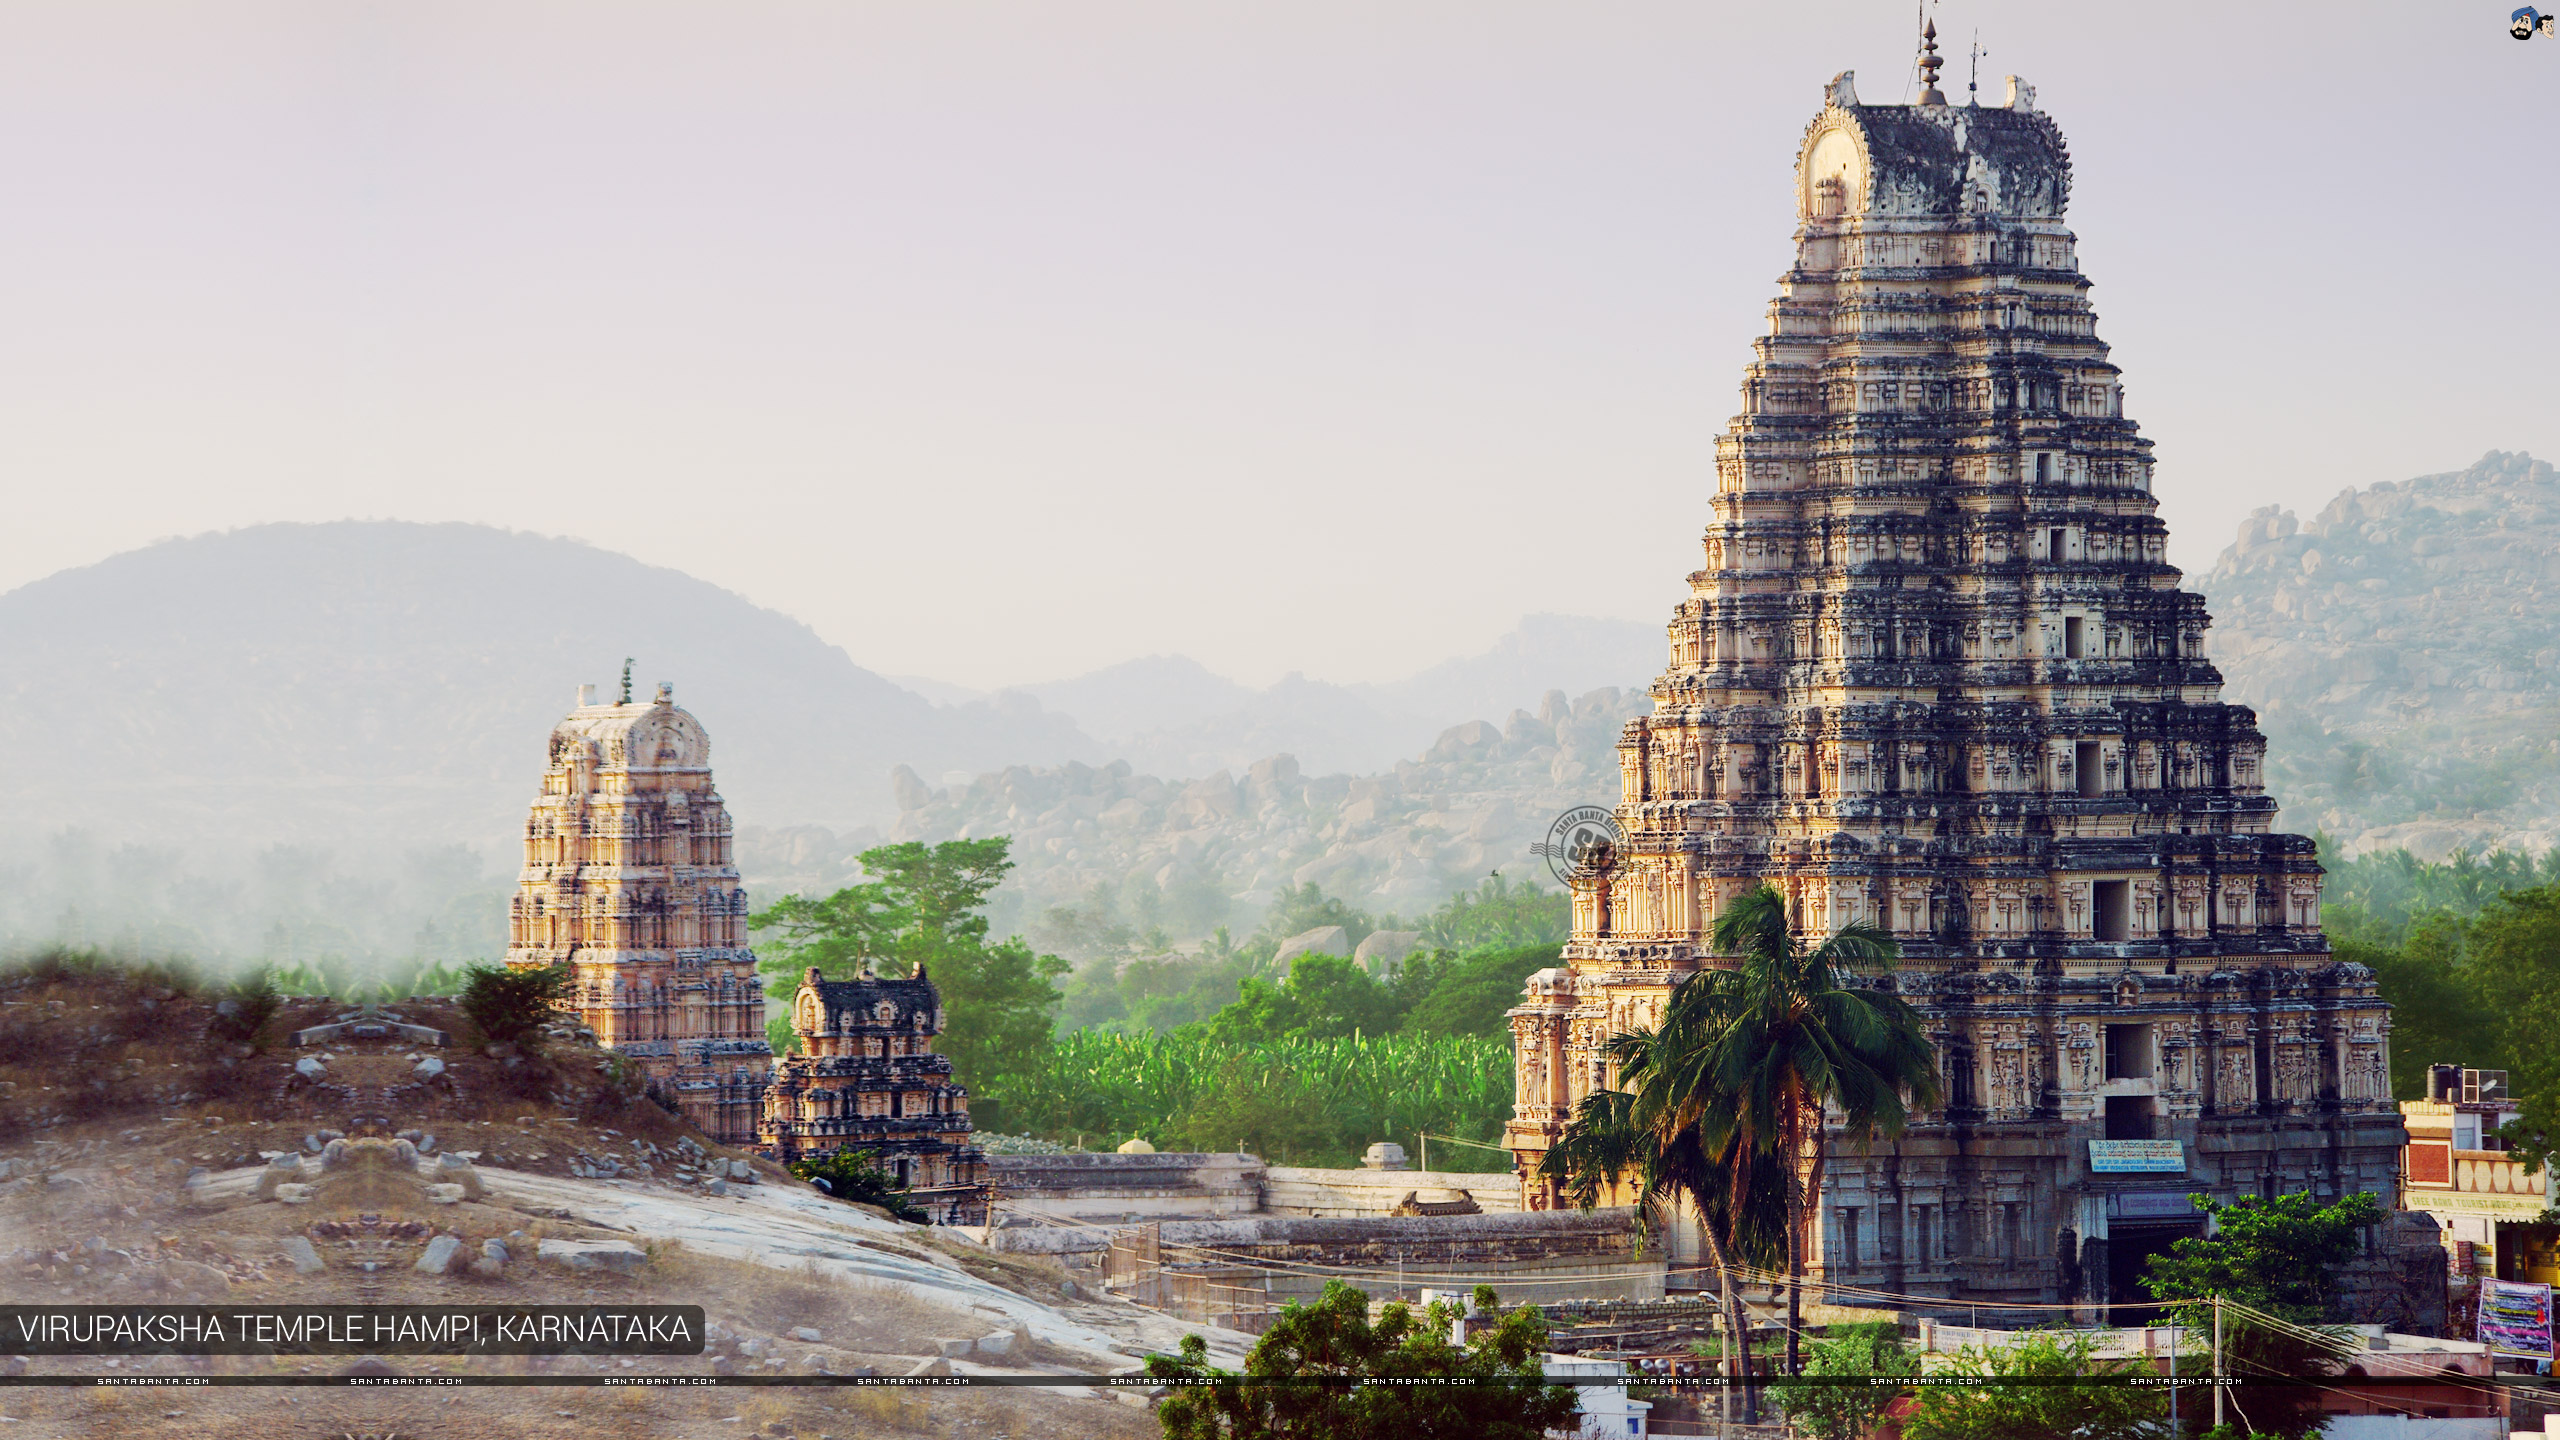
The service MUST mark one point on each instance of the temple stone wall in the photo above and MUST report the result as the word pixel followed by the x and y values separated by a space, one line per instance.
pixel 1936 675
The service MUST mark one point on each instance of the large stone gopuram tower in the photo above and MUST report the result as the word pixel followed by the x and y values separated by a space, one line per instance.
pixel 1938 676
pixel 628 876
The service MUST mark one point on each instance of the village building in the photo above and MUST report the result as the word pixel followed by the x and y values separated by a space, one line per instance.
pixel 629 879
pixel 2490 1208
pixel 866 1078
pixel 1937 675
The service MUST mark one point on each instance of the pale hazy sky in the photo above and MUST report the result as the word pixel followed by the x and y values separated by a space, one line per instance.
pixel 1002 341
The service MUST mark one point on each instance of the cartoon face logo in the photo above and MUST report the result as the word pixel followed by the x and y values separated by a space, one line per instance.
pixel 2523 23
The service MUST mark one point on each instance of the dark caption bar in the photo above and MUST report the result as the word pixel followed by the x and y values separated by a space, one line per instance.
pixel 1145 1383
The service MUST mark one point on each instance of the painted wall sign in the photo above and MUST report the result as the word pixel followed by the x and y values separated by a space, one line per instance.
pixel 2122 1157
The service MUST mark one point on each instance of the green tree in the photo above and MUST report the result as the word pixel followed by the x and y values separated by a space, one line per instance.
pixel 1644 1145
pixel 1753 1055
pixel 1468 994
pixel 2512 965
pixel 1254 1105
pixel 1500 915
pixel 1322 997
pixel 1334 1339
pixel 2434 1020
pixel 511 1003
pixel 854 1176
pixel 1848 1412
pixel 2039 1411
pixel 244 1009
pixel 2278 1255
pixel 919 904
pixel 1296 910
pixel 923 911
pixel 2277 1258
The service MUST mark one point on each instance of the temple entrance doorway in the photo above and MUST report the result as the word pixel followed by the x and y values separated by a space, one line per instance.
pixel 2129 1251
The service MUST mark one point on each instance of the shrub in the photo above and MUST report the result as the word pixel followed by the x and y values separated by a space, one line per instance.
pixel 243 1011
pixel 510 1004
pixel 853 1177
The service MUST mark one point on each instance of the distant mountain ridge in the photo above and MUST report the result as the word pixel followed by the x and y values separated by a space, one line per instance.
pixel 362 681
pixel 1169 715
pixel 2402 648
pixel 294 739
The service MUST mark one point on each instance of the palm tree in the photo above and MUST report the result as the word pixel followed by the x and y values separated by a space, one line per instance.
pixel 1753 1057
pixel 1623 1139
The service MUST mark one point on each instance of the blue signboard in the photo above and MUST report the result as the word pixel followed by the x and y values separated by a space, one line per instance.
pixel 2142 1157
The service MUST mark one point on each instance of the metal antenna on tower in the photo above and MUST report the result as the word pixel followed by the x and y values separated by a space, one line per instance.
pixel 1973 79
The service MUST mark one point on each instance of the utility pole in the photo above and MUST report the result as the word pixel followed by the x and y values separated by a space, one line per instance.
pixel 2217 1362
pixel 2176 1333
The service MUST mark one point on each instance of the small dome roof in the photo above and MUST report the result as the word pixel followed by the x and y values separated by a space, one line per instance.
pixel 1136 1147
pixel 657 735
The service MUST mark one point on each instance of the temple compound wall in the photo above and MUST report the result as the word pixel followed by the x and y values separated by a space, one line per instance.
pixel 865 1077
pixel 1937 675
pixel 629 879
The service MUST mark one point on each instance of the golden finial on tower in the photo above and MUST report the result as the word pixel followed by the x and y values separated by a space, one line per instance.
pixel 1929 64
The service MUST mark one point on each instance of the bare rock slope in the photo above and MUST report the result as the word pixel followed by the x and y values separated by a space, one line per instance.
pixel 2403 651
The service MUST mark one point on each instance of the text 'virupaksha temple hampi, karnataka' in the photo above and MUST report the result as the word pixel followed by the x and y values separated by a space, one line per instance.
pixel 1938 676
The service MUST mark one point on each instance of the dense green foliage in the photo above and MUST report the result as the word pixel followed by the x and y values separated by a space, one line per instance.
pixel 1303 1101
pixel 1847 1412
pixel 2377 898
pixel 2280 1258
pixel 854 1177
pixel 2008 1412
pixel 243 1011
pixel 2468 954
pixel 1203 1052
pixel 1468 993
pixel 1324 997
pixel 925 907
pixel 1499 916
pixel 1335 1338
pixel 510 1003
pixel 1431 993
pixel 1129 977
pixel 2278 1255
pixel 1156 991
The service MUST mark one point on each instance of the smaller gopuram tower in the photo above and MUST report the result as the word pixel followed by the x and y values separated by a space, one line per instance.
pixel 629 879
pixel 867 1078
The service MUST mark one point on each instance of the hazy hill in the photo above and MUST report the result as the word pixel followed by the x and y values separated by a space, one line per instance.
pixel 308 740
pixel 1192 854
pixel 2403 650
pixel 369 682
pixel 1169 715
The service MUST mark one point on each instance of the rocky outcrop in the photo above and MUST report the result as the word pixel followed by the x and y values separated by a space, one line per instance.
pixel 2403 653
pixel 1404 840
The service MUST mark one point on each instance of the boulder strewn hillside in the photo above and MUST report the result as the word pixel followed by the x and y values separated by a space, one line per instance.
pixel 2403 651
pixel 1401 840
